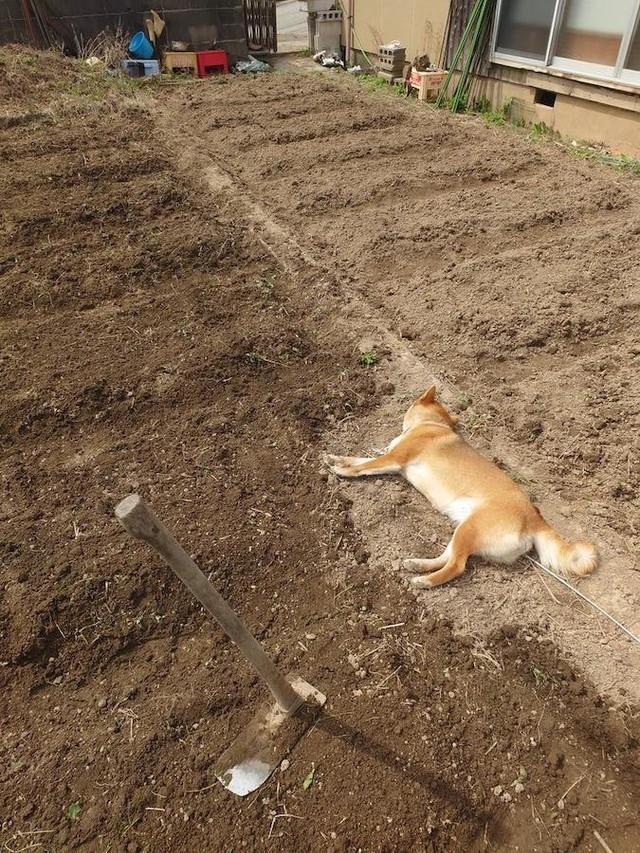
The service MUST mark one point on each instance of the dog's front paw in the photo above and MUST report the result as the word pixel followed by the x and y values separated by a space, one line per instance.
pixel 412 565
pixel 408 570
pixel 421 582
pixel 340 465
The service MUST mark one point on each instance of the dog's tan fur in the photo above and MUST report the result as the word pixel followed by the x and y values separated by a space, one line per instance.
pixel 495 518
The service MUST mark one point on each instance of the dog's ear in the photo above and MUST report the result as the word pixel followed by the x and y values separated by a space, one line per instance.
pixel 429 396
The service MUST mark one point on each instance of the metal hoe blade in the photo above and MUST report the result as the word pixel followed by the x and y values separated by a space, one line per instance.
pixel 269 737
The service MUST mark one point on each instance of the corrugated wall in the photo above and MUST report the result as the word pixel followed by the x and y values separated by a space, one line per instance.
pixel 419 24
pixel 199 22
pixel 13 26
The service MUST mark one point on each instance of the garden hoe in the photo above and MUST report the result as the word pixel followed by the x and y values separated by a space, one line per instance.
pixel 277 726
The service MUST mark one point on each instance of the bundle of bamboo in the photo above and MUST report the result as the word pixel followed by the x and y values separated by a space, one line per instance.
pixel 470 51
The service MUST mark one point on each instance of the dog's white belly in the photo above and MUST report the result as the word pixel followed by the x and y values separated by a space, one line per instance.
pixel 508 548
pixel 460 509
pixel 457 508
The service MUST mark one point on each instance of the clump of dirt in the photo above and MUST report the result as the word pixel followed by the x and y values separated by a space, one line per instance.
pixel 152 342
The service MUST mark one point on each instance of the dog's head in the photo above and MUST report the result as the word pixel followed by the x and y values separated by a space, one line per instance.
pixel 427 408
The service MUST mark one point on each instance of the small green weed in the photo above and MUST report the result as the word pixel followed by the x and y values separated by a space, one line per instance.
pixel 540 676
pixel 497 117
pixel 521 778
pixel 257 358
pixel 463 402
pixel 621 162
pixel 266 285
pixel 491 116
pixel 540 130
pixel 308 779
pixel 482 105
pixel 368 359
pixel 463 106
pixel 73 812
pixel 373 83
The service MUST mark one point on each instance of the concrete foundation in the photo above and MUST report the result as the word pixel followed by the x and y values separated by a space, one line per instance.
pixel 577 110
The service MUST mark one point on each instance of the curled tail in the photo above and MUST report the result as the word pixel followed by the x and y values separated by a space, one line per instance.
pixel 571 559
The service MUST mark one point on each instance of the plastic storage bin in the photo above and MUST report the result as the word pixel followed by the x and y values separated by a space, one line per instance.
pixel 140 67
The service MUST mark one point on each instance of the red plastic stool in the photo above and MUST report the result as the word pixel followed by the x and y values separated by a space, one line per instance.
pixel 212 62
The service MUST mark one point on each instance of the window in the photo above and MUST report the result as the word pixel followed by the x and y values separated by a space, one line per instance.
pixel 588 37
pixel 591 32
pixel 633 61
pixel 524 28
pixel 631 71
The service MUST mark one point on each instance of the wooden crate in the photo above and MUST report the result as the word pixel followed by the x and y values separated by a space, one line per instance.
pixel 178 60
pixel 427 83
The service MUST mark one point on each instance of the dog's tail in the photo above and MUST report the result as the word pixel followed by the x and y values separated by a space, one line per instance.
pixel 570 559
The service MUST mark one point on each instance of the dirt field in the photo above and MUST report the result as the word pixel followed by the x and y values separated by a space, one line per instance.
pixel 188 277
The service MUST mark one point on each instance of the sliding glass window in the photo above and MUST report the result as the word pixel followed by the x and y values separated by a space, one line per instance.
pixel 591 38
pixel 631 69
pixel 524 28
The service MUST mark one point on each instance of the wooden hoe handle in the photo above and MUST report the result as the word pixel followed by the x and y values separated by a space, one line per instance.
pixel 141 523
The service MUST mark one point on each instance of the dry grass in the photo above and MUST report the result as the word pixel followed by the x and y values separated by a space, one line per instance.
pixel 49 82
pixel 109 46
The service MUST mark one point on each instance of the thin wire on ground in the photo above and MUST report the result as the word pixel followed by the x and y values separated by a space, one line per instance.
pixel 586 598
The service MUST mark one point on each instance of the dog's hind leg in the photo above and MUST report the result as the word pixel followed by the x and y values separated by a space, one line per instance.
pixel 464 542
pixel 357 466
pixel 420 566
pixel 453 569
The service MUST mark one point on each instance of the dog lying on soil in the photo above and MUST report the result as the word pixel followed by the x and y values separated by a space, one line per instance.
pixel 495 518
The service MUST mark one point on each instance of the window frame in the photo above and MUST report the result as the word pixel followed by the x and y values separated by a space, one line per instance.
pixel 580 69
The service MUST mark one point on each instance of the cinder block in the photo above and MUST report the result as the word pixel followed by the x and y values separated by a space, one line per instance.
pixel 329 16
pixel 391 78
pixel 328 35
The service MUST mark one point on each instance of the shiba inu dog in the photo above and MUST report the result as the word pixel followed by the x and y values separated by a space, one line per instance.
pixel 495 518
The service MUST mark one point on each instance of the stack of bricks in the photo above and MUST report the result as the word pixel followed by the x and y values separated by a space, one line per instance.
pixel 391 60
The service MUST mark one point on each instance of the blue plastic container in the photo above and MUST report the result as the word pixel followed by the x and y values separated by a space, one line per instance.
pixel 140 67
pixel 140 46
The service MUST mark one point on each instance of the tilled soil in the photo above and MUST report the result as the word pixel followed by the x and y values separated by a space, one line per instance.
pixel 504 267
pixel 180 321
